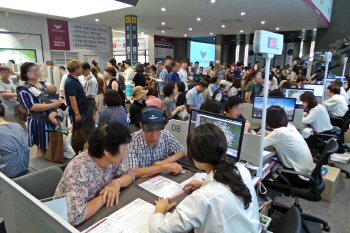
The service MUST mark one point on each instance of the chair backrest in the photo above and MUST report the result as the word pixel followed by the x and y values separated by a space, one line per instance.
pixel 179 129
pixel 41 184
pixel 290 223
pixel 317 189
pixel 345 125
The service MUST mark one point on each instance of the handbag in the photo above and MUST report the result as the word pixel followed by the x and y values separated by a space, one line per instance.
pixel 55 150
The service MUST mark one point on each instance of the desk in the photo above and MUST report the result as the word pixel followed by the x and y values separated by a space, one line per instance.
pixel 41 163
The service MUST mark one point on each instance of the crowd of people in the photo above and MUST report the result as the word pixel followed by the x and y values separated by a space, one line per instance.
pixel 133 143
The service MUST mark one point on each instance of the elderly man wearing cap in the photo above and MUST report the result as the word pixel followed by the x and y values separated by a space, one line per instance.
pixel 219 94
pixel 153 149
pixel 139 98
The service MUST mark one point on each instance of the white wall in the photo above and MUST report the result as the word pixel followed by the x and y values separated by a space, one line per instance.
pixel 151 58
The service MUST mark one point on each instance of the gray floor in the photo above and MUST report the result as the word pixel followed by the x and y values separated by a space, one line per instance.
pixel 337 213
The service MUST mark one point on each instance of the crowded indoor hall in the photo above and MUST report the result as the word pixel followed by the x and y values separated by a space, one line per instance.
pixel 203 116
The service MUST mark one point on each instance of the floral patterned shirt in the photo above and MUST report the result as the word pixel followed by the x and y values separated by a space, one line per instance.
pixel 82 181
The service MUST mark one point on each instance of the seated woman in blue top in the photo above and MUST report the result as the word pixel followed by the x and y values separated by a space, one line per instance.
pixel 114 112
pixel 234 108
pixel 14 151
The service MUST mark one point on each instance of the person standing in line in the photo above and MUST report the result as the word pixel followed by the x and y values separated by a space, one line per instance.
pixel 129 72
pixel 213 86
pixel 252 88
pixel 194 97
pixel 237 72
pixel 168 60
pixel 139 78
pixel 99 106
pixel 139 98
pixel 90 88
pixel 163 76
pixel 75 95
pixel 183 73
pixel 196 72
pixel 256 66
pixel 220 73
pixel 219 94
pixel 170 108
pixel 174 76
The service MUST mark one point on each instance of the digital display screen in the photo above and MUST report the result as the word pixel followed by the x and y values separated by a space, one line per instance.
pixel 204 53
pixel 18 55
pixel 318 89
pixel 296 93
pixel 287 104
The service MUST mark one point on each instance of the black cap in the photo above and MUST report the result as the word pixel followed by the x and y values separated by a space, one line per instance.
pixel 152 119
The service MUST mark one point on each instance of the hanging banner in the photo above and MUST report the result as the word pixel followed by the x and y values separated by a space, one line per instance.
pixel 131 38
pixel 58 34
pixel 251 55
pixel 119 44
pixel 163 46
pixel 289 48
pixel 322 8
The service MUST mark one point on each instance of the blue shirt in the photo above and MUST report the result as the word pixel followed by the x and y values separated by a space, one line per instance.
pixel 173 77
pixel 220 74
pixel 117 116
pixel 194 98
pixel 163 76
pixel 14 151
pixel 219 95
pixel 237 72
pixel 72 87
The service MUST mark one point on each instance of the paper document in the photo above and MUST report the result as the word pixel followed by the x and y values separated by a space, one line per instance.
pixel 198 176
pixel 132 218
pixel 162 187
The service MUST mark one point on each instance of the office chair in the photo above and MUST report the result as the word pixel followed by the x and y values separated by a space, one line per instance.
pixel 291 222
pixel 41 184
pixel 312 193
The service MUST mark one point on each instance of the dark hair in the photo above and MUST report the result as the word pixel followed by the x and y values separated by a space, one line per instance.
pixel 338 82
pixel 169 68
pixel 173 63
pixel 286 85
pixel 153 67
pixel 24 70
pixel 276 93
pixel 334 88
pixel 139 68
pixel 192 85
pixel 151 91
pixel 237 83
pixel 85 65
pixel 111 70
pixel 196 62
pixel 212 150
pixel 113 63
pixel 168 89
pixel 239 63
pixel 233 101
pixel 12 61
pixel 257 62
pixel 310 99
pixel 4 68
pixel 94 71
pixel 2 109
pixel 203 83
pixel 111 98
pixel 62 67
pixel 213 106
pixel 213 79
pixel 254 73
pixel 323 68
pixel 180 86
pixel 108 137
pixel 183 61
pixel 276 117
pixel 301 79
pixel 168 58
pixel 127 62
pixel 93 62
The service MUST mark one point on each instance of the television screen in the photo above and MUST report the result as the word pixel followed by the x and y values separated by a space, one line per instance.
pixel 296 93
pixel 204 53
pixel 18 55
pixel 318 89
pixel 288 104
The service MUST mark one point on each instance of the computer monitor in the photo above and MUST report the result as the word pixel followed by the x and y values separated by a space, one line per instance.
pixel 318 89
pixel 288 104
pixel 233 129
pixel 328 82
pixel 341 78
pixel 295 93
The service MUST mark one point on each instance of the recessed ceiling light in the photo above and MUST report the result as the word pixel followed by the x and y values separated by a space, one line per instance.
pixel 190 29
pixel 185 35
pixel 315 29
pixel 198 19
pixel 277 29
pixel 303 29
pixel 241 31
pixel 212 1
pixel 163 9
pixel 211 33
pixel 242 13
pixel 204 12
pixel 97 20
pixel 223 25
pixel 162 31
pixel 163 23
pixel 262 22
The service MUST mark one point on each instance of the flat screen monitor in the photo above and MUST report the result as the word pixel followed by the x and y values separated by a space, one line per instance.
pixel 318 89
pixel 18 55
pixel 288 104
pixel 341 78
pixel 328 82
pixel 295 93
pixel 204 53
pixel 232 128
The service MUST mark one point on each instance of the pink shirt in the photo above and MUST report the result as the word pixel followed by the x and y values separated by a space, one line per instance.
pixel 154 101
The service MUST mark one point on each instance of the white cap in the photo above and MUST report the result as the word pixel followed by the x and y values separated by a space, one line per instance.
pixel 223 83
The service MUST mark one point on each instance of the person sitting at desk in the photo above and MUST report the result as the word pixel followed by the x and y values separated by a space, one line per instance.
pixel 212 106
pixel 299 81
pixel 291 147
pixel 234 108
pixel 93 178
pixel 224 202
pixel 342 90
pixel 336 105
pixel 276 93
pixel 153 149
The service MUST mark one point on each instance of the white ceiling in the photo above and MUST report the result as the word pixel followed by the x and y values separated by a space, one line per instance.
pixel 180 15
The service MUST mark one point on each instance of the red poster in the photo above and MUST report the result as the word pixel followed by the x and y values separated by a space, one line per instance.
pixel 58 34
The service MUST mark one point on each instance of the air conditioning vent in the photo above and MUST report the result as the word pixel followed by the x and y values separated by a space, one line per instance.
pixel 230 21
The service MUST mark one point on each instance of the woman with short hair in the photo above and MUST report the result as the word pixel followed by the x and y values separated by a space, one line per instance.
pixel 114 110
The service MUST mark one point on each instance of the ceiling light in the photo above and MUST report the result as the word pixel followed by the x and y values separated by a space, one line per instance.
pixel 185 35
pixel 198 19
pixel 62 10
pixel 163 23
pixel 204 12
pixel 303 29
pixel 242 13
pixel 262 22
pixel 163 9
pixel 277 29
pixel 162 31
pixel 315 29
pixel 241 31
pixel 212 1
pixel 223 25
pixel 211 33
pixel 97 20
pixel 190 29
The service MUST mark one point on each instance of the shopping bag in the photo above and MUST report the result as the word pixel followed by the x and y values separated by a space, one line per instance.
pixel 79 137
pixel 22 112
pixel 68 151
pixel 55 151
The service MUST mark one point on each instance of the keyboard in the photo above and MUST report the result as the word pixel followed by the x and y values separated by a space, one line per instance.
pixel 186 164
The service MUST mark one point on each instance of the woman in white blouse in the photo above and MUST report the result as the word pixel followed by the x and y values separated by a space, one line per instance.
pixel 291 147
pixel 336 105
pixel 224 202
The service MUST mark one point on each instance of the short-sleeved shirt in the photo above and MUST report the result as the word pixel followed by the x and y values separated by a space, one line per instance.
pixel 163 76
pixel 253 88
pixel 139 80
pixel 194 98
pixel 135 112
pixel 73 87
pixel 220 96
pixel 173 77
pixel 169 107
pixel 113 115
pixel 9 104
pixel 82 181
pixel 154 101
pixel 90 85
pixel 220 74
pixel 237 72
pixel 141 154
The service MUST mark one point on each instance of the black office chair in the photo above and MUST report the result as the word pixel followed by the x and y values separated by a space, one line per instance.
pixel 290 223
pixel 312 193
